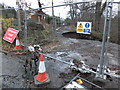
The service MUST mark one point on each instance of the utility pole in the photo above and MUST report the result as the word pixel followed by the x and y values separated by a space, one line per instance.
pixel 18 15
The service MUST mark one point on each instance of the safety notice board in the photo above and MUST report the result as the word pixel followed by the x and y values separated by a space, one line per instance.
pixel 84 27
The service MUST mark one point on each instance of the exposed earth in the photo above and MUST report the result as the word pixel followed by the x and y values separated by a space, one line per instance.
pixel 60 74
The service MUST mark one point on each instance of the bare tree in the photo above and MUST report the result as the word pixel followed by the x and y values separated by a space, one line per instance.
pixel 40 5
pixel 85 9
pixel 39 12
pixel 71 12
pixel 24 4
pixel 98 13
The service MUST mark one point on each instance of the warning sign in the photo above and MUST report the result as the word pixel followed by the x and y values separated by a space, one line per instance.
pixel 80 26
pixel 80 30
pixel 84 27
pixel 10 35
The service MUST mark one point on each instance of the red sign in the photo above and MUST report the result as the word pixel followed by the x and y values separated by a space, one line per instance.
pixel 10 35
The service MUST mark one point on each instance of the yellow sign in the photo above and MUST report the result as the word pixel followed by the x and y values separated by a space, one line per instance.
pixel 80 26
pixel 79 30
pixel 84 27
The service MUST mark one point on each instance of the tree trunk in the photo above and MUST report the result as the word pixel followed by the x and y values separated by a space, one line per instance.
pixel 39 4
pixel 97 15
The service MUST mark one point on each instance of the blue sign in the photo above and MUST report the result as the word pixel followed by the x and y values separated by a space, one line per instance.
pixel 87 25
pixel 86 30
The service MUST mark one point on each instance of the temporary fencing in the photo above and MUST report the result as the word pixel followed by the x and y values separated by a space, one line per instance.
pixel 37 27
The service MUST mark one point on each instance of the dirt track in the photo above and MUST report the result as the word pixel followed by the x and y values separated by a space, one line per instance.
pixel 60 74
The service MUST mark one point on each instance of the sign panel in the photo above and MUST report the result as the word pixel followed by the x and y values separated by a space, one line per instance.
pixel 84 27
pixel 10 35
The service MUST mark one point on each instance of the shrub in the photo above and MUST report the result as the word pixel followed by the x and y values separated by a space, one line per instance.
pixel 6 23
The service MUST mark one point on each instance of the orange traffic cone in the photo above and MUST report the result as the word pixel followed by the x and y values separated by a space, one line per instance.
pixel 42 76
pixel 17 47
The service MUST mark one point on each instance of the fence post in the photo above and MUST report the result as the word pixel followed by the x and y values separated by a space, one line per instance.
pixel 25 30
pixel 109 26
pixel 106 35
pixel 18 15
pixel 54 22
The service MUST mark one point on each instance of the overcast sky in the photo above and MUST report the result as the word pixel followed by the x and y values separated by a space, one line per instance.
pixel 62 11
pixel 34 4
